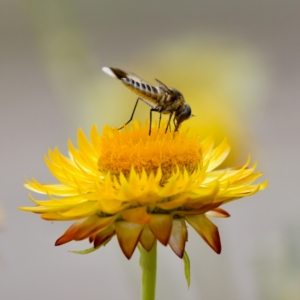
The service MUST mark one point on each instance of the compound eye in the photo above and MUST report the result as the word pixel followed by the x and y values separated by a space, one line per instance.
pixel 185 114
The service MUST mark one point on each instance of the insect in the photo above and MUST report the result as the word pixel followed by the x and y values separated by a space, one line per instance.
pixel 161 99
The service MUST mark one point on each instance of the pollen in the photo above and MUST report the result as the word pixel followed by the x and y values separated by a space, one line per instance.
pixel 135 148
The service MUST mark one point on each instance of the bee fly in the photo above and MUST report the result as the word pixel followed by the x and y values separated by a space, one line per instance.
pixel 161 99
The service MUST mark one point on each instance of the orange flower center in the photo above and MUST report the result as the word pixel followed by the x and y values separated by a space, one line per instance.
pixel 133 147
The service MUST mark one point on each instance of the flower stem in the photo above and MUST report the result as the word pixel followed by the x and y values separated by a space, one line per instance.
pixel 148 265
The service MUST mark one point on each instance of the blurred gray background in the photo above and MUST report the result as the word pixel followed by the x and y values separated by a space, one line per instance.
pixel 237 63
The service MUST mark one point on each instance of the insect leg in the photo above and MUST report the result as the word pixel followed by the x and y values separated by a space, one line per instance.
pixel 151 110
pixel 136 103
pixel 159 120
pixel 171 114
pixel 176 124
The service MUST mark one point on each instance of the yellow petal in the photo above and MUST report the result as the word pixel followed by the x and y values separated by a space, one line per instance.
pixel 174 202
pixel 218 155
pixel 81 210
pixel 95 138
pixel 202 196
pixel 56 216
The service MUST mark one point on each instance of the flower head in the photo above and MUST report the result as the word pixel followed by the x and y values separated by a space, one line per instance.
pixel 141 188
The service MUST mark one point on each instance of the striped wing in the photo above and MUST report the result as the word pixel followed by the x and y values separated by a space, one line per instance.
pixel 120 74
pixel 148 92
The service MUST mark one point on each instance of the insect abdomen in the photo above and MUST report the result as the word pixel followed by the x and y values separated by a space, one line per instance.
pixel 144 90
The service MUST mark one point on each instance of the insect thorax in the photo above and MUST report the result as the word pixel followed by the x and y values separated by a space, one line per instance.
pixel 167 99
pixel 172 100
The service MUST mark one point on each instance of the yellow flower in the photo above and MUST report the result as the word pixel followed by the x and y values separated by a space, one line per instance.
pixel 141 188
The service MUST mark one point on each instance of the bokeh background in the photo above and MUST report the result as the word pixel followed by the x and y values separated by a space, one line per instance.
pixel 236 62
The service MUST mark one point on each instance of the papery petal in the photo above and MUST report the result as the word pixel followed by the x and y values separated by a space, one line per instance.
pixel 217 213
pixel 128 236
pixel 161 227
pixel 92 225
pixel 178 237
pixel 103 236
pixel 207 230
pixel 147 239
pixel 69 234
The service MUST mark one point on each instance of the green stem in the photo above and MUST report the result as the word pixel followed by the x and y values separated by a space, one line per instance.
pixel 148 265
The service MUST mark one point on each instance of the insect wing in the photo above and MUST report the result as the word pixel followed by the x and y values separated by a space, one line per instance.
pixel 120 74
pixel 162 86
